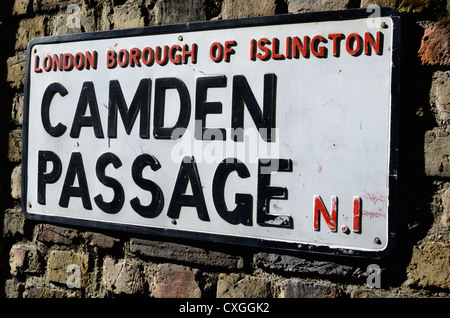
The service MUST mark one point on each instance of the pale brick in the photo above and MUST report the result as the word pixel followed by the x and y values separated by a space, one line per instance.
pixel 125 276
pixel 105 17
pixel 15 145
pixel 379 293
pixel 61 264
pixel 13 288
pixel 128 15
pixel 38 287
pixel 14 222
pixel 52 5
pixel 437 153
pixel 242 8
pixel 21 7
pixel 429 266
pixel 237 286
pixel 88 19
pixel 25 258
pixel 440 98
pixel 15 70
pixel 73 20
pixel 29 29
pixel 445 218
pixel 380 3
pixel 64 23
pixel 16 182
pixel 17 109
pixel 299 6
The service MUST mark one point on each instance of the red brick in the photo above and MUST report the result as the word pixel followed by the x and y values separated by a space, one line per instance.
pixel 99 240
pixel 434 49
pixel 55 234
pixel 176 281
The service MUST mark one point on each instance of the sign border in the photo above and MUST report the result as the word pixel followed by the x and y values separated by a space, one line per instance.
pixel 281 19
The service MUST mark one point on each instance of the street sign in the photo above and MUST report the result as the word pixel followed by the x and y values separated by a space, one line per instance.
pixel 276 132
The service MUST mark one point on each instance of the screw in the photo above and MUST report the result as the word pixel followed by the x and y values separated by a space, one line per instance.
pixel 174 222
pixel 345 229
pixel 377 240
pixel 384 25
pixel 180 38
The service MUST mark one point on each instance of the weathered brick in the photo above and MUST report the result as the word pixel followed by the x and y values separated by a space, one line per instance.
pixel 38 287
pixel 61 264
pixel 29 29
pixel 429 266
pixel 185 253
pixel 417 6
pixel 445 218
pixel 15 70
pixel 237 286
pixel 21 7
pixel 64 23
pixel 437 153
pixel 47 292
pixel 25 258
pixel 381 3
pixel 99 239
pixel 14 288
pixel 15 145
pixel 294 288
pixel 55 234
pixel 128 15
pixel 73 20
pixel 104 17
pixel 176 281
pixel 14 222
pixel 435 47
pixel 125 276
pixel 175 11
pixel 299 6
pixel 363 292
pixel 16 182
pixel 243 9
pixel 288 263
pixel 88 19
pixel 17 109
pixel 440 98
pixel 53 5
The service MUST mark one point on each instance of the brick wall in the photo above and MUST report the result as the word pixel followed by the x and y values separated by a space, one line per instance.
pixel 46 260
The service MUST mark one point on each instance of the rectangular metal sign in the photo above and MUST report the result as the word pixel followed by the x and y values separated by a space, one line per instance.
pixel 277 132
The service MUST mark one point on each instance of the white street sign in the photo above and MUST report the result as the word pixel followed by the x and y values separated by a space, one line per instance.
pixel 277 132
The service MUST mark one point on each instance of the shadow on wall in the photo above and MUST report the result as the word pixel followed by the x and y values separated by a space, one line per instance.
pixel 8 27
pixel 415 191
